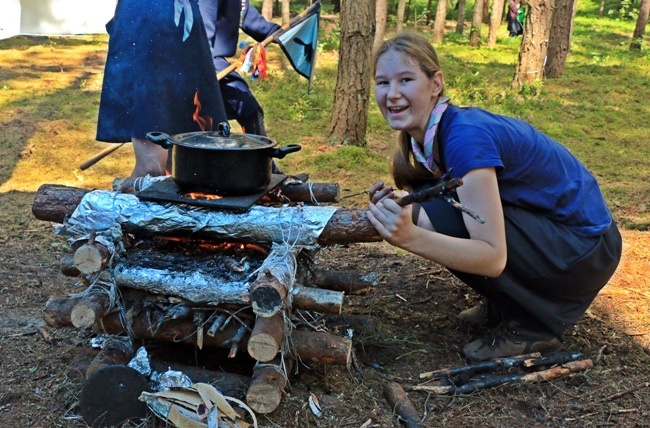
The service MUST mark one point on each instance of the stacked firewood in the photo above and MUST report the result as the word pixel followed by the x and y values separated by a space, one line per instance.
pixel 268 300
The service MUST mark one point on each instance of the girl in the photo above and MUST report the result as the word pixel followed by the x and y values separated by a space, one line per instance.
pixel 548 244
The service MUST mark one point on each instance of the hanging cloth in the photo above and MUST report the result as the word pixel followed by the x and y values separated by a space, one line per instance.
pixel 423 153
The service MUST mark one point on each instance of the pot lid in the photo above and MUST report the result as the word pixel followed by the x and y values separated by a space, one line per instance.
pixel 214 140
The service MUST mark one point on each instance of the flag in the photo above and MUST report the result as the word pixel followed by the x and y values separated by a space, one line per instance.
pixel 300 41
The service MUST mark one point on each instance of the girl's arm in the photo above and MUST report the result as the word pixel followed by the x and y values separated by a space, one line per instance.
pixel 483 254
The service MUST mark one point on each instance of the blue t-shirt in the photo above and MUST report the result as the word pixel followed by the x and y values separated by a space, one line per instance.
pixel 534 171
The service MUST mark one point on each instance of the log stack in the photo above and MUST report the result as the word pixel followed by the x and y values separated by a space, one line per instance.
pixel 242 296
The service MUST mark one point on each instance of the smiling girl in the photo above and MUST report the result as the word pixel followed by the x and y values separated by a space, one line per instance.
pixel 548 244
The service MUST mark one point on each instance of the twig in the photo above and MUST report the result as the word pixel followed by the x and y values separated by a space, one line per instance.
pixel 27 333
pixel 624 392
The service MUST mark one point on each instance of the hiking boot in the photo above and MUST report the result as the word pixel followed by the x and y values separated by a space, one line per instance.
pixel 479 316
pixel 510 339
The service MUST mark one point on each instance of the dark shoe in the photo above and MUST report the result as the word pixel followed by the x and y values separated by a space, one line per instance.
pixel 510 339
pixel 480 316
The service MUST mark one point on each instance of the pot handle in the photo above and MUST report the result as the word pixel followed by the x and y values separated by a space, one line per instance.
pixel 160 138
pixel 283 151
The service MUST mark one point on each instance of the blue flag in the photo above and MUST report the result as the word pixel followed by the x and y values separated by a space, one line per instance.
pixel 299 43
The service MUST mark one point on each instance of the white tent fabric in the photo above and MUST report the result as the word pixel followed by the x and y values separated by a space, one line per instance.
pixel 55 17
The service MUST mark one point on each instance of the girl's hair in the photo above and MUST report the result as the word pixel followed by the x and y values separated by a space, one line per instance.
pixel 405 170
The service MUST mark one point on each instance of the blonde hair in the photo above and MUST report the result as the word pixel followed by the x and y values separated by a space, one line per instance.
pixel 405 170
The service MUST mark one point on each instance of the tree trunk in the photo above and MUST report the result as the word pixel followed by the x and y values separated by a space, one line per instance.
pixel 559 42
pixel 534 44
pixel 267 9
pixel 349 119
pixel 641 22
pixel 601 9
pixel 401 8
pixel 460 22
pixel 495 22
pixel 477 22
pixel 429 12
pixel 381 15
pixel 286 12
pixel 439 23
pixel 486 11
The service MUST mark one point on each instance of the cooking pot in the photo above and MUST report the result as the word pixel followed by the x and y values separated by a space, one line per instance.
pixel 221 162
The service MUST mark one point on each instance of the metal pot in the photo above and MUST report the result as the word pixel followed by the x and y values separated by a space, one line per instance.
pixel 220 162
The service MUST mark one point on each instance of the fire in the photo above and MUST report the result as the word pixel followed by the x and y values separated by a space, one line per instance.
pixel 202 196
pixel 204 121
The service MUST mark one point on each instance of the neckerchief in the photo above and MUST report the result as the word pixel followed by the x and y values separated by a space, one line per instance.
pixel 423 153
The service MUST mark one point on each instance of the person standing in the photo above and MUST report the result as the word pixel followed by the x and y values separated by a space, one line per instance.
pixel 158 61
pixel 514 27
pixel 223 19
pixel 548 243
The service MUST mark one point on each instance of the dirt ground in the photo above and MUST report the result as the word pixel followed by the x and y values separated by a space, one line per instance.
pixel 415 307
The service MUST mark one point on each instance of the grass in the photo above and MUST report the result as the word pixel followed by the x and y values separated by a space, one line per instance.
pixel 49 93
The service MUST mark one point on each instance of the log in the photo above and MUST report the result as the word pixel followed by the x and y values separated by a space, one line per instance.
pixel 266 337
pixel 56 202
pixel 268 385
pixel 322 348
pixel 67 267
pixel 116 350
pixel 58 310
pixel 312 192
pixel 362 325
pixel 402 405
pixel 91 257
pixel 350 283
pixel 267 295
pixel 317 300
pixel 90 308
pixel 309 346
pixel 230 384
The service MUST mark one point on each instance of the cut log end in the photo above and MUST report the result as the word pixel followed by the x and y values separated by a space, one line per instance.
pixel 263 398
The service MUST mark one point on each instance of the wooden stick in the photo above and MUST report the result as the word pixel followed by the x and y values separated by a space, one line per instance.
pixel 90 309
pixel 491 381
pixel 526 360
pixel 266 337
pixel 116 350
pixel 267 295
pixel 99 156
pixel 348 282
pixel 58 310
pixel 322 348
pixel 268 385
pixel 317 300
pixel 402 405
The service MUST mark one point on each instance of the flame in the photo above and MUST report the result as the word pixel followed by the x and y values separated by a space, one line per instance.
pixel 202 196
pixel 217 246
pixel 204 121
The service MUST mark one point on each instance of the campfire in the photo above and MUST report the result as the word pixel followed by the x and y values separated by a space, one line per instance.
pixel 239 278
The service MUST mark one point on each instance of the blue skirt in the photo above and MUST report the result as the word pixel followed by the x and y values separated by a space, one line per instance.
pixel 152 75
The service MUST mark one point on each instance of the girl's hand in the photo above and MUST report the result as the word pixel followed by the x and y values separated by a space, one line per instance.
pixel 393 222
pixel 379 191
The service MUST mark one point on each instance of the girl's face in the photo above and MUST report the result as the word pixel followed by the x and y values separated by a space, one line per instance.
pixel 405 95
